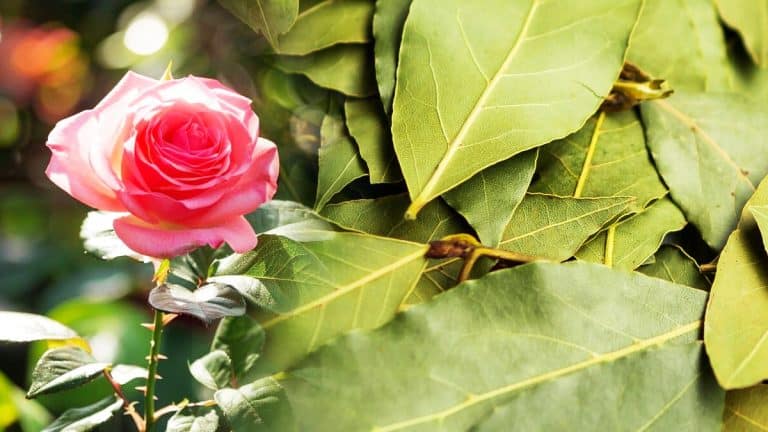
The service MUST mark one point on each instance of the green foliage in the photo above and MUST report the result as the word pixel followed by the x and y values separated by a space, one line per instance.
pixel 86 418
pixel 64 368
pixel 673 264
pixel 269 17
pixel 736 318
pixel 520 341
pixel 213 370
pixel 709 149
pixel 311 32
pixel 426 142
pixel 466 68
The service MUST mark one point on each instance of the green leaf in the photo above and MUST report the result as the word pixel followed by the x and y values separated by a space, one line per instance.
pixel 542 338
pixel 123 374
pixel 323 288
pixel 213 370
pixel 86 418
pixel 344 68
pixel 480 82
pixel 268 17
pixel 388 22
pixel 195 419
pixel 629 243
pixel 340 163
pixel 16 408
pixel 750 19
pixel 489 199
pixel 25 327
pixel 746 410
pixel 328 23
pixel 737 314
pixel 242 339
pixel 673 264
pixel 681 42
pixel 253 405
pixel 369 126
pixel 99 237
pixel 384 217
pixel 760 214
pixel 607 157
pixel 555 227
pixel 288 219
pixel 207 303
pixel 710 150
pixel 62 369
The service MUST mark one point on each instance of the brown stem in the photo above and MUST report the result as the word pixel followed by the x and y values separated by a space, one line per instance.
pixel 467 247
pixel 128 406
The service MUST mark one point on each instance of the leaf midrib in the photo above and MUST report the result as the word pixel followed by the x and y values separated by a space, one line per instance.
pixel 566 221
pixel 604 358
pixel 346 288
pixel 423 197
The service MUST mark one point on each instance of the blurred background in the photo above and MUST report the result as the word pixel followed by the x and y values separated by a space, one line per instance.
pixel 58 57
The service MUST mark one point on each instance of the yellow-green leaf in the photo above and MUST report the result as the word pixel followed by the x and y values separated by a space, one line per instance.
pixel 750 19
pixel 479 82
pixel 736 330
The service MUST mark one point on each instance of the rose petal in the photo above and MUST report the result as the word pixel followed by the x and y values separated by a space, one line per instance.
pixel 159 242
pixel 256 187
pixel 70 167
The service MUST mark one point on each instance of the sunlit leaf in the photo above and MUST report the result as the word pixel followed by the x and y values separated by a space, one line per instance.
pixel 252 406
pixel 629 243
pixel 750 19
pixel 489 199
pixel 322 288
pixel 479 82
pixel 207 303
pixel 344 68
pixel 25 327
pixel 328 23
pixel 123 374
pixel 62 369
pixel 554 227
pixel 195 419
pixel 607 157
pixel 737 313
pixel 711 152
pixel 268 17
pixel 681 42
pixel 542 338
pixel 213 370
pixel 86 418
pixel 370 127
pixel 99 237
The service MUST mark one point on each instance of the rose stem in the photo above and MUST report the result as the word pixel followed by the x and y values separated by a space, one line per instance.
pixel 154 359
pixel 127 405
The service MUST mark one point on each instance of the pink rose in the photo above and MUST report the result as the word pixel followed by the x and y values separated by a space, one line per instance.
pixel 181 158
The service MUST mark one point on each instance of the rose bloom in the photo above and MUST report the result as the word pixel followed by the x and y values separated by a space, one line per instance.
pixel 181 159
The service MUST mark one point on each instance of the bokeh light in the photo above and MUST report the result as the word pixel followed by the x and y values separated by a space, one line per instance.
pixel 146 34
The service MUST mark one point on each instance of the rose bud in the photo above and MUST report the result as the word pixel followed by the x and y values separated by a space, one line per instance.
pixel 181 158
